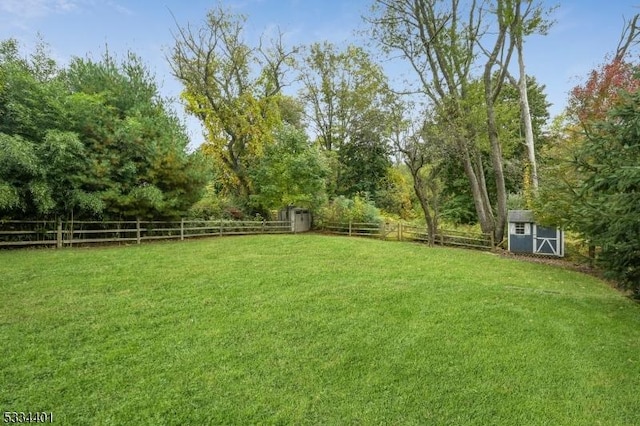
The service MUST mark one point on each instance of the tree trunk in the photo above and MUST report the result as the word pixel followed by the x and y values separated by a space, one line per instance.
pixel 482 181
pixel 419 188
pixel 526 118
pixel 492 87
pixel 496 162
pixel 478 191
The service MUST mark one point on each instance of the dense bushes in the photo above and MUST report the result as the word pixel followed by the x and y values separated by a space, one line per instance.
pixel 91 141
pixel 342 209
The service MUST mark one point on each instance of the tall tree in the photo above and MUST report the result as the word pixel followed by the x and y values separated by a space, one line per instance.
pixel 529 18
pixel 421 150
pixel 364 163
pixel 347 103
pixel 607 202
pixel 441 47
pixel 589 103
pixel 494 75
pixel 457 200
pixel 442 40
pixel 40 161
pixel 341 89
pixel 512 24
pixel 396 193
pixel 234 89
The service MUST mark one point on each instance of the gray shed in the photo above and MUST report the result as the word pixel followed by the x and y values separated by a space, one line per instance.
pixel 300 218
pixel 526 236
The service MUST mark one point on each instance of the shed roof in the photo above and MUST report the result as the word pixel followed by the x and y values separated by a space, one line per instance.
pixel 520 216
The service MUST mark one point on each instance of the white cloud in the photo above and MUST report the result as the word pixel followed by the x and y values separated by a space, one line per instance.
pixel 22 14
pixel 120 8
pixel 32 9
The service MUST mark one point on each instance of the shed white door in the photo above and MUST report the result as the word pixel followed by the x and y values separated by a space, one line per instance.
pixel 547 241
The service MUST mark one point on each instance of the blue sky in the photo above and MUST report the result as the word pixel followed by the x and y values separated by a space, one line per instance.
pixel 585 31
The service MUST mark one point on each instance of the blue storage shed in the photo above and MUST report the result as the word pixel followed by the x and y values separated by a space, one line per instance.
pixel 526 236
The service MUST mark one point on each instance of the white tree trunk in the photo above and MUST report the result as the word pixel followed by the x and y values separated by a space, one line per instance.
pixel 526 118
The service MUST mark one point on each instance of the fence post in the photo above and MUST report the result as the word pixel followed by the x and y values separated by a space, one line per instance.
pixel 400 231
pixel 138 237
pixel 70 232
pixel 182 229
pixel 349 227
pixel 442 238
pixel 59 234
pixel 220 228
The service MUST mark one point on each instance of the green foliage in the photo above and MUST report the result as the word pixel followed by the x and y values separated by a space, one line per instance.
pixel 457 201
pixel 608 198
pixel 518 201
pixel 554 203
pixel 291 110
pixel 234 90
pixel 343 210
pixel 538 108
pixel 395 195
pixel 31 99
pixel 291 172
pixel 458 206
pixel 92 140
pixel 214 205
pixel 9 198
pixel 138 157
pixel 347 101
pixel 19 169
pixel 364 162
pixel 590 174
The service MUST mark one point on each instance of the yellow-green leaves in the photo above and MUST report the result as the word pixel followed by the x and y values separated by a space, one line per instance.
pixel 233 89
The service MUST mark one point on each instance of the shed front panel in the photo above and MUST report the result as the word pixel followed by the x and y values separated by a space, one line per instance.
pixel 548 241
pixel 520 243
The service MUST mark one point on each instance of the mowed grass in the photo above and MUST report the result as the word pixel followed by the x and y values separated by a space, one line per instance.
pixel 311 329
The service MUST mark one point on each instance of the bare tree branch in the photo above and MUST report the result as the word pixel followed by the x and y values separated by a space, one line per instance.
pixel 629 38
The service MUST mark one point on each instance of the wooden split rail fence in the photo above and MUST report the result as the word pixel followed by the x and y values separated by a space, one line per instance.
pixel 404 232
pixel 65 234
pixel 69 233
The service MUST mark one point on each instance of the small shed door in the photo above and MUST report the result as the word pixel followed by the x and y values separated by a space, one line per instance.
pixel 299 222
pixel 548 241
pixel 302 221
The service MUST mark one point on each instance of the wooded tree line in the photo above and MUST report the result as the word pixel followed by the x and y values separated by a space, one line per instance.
pixel 463 139
pixel 357 121
pixel 92 140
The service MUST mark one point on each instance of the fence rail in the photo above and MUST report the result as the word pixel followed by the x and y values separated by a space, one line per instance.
pixel 66 234
pixel 403 232
pixel 447 237
pixel 352 228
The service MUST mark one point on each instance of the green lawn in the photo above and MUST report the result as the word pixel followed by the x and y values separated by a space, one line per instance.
pixel 310 329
